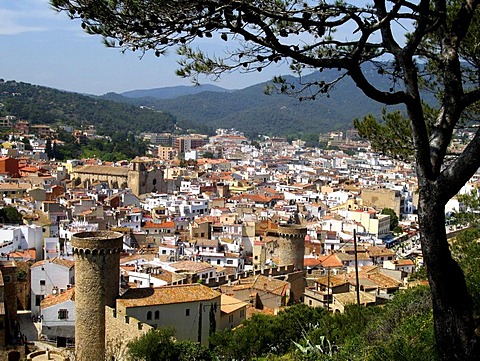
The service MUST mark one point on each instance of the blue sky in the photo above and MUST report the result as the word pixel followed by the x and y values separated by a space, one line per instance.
pixel 40 46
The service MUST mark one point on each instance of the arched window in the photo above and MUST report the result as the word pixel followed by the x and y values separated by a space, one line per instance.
pixel 149 315
pixel 157 315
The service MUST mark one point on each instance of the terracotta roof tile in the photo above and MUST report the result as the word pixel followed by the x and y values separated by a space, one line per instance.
pixel 230 304
pixel 58 261
pixel 165 295
pixel 51 300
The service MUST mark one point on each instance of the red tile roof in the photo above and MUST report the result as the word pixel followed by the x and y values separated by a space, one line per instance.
pixel 165 295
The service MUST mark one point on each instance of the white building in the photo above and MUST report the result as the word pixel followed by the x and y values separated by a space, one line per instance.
pixel 16 237
pixel 58 317
pixel 192 309
pixel 49 275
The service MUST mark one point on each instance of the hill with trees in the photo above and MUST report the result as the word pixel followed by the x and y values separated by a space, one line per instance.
pixel 42 105
pixel 253 111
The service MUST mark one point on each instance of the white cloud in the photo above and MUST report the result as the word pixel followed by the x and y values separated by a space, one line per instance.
pixel 26 16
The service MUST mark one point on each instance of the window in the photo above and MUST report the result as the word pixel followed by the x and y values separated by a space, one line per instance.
pixel 242 313
pixel 62 314
pixel 42 282
pixel 187 312
pixel 6 279
pixel 157 315
pixel 230 318
pixel 149 315
pixel 218 261
pixel 38 300
pixel 229 261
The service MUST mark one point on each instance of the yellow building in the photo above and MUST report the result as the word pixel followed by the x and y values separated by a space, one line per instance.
pixel 380 198
pixel 374 223
pixel 167 153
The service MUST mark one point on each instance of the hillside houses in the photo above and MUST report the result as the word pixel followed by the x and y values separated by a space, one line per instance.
pixel 271 227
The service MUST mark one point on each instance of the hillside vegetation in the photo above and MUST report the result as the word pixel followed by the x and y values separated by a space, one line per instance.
pixel 201 109
pixel 42 105
pixel 252 111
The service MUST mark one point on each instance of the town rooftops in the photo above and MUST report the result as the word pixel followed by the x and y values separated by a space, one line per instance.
pixel 403 262
pixel 332 281
pixel 230 304
pixel 191 266
pixel 99 169
pixel 270 285
pixel 51 300
pixel 350 298
pixel 58 261
pixel 169 224
pixel 330 260
pixel 141 297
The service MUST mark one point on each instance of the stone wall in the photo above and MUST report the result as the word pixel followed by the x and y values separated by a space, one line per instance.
pixel 119 331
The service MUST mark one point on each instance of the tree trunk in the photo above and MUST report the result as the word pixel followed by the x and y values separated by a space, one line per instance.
pixel 452 304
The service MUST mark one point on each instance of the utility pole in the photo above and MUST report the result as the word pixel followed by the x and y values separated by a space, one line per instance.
pixel 356 266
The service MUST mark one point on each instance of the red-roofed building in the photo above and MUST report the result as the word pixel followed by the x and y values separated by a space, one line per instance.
pixel 181 306
pixel 58 317
pixel 158 230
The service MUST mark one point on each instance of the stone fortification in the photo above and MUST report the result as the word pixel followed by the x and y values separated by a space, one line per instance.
pixel 97 267
pixel 120 330
pixel 291 245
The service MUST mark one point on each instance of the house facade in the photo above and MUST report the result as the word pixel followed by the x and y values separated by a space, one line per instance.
pixel 49 275
pixel 58 317
pixel 193 309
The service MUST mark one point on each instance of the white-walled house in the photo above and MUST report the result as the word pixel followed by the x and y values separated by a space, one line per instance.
pixel 405 265
pixel 58 317
pixel 233 312
pixel 16 237
pixel 143 279
pixel 47 275
pixel 189 308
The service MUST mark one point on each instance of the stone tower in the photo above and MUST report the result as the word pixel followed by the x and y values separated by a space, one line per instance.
pixel 97 275
pixel 136 178
pixel 291 244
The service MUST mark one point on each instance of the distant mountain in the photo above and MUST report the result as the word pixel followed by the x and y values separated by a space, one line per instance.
pixel 173 92
pixel 39 104
pixel 202 108
pixel 252 111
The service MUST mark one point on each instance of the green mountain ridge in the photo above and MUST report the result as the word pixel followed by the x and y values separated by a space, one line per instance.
pixel 42 105
pixel 163 109
pixel 252 111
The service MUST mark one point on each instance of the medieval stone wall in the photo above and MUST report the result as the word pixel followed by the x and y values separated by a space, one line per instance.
pixel 120 330
pixel 97 265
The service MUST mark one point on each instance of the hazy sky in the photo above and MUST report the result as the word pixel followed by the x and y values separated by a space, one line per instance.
pixel 40 46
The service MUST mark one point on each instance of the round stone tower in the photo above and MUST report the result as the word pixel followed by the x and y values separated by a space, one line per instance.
pixel 97 275
pixel 291 244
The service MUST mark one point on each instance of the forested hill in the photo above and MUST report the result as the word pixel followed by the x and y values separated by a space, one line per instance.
pixel 253 112
pixel 42 105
